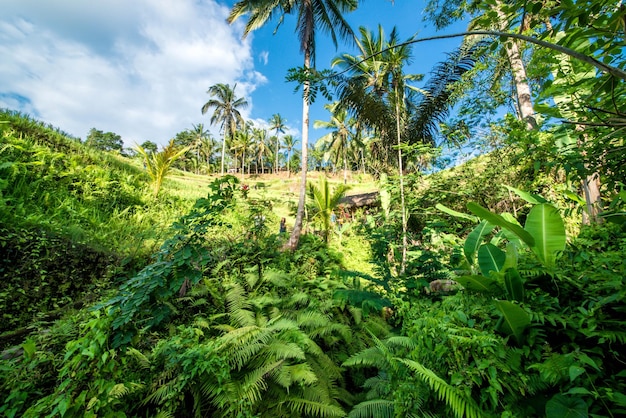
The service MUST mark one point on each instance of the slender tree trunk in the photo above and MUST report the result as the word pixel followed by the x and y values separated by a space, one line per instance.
pixel 363 161
pixel 518 69
pixel 223 153
pixel 345 167
pixel 243 166
pixel 277 145
pixel 294 238
pixel 289 164
pixel 401 174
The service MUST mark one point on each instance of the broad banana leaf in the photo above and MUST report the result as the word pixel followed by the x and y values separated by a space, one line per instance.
pixel 514 319
pixel 490 258
pixel 455 213
pixel 498 220
pixel 546 226
pixel 474 240
pixel 535 199
pixel 480 284
pixel 514 285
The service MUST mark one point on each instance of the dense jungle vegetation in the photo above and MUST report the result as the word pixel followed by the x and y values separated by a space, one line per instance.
pixel 151 283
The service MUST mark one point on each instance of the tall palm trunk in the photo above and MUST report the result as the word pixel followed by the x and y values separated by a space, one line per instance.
pixel 223 153
pixel 345 167
pixel 277 145
pixel 289 164
pixel 401 174
pixel 243 165
pixel 292 243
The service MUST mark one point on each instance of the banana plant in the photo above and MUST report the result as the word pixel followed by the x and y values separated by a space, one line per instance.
pixel 493 270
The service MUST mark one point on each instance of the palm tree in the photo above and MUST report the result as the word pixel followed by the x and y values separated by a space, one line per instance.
pixel 208 147
pixel 336 143
pixel 199 134
pixel 325 202
pixel 379 86
pixel 242 145
pixel 277 123
pixel 261 146
pixel 289 142
pixel 311 16
pixel 158 164
pixel 226 112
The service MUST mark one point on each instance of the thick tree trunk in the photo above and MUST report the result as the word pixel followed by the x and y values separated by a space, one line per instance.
pixel 591 189
pixel 294 238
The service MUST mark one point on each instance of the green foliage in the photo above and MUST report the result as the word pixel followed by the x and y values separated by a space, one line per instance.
pixel 102 141
pixel 158 164
pixel 54 182
pixel 44 273
pixel 325 203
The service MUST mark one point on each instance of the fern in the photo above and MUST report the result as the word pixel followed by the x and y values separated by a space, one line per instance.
pixel 460 405
pixel 376 408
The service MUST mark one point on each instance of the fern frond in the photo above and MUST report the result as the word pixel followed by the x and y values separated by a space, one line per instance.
pixel 376 408
pixel 119 391
pixel 284 350
pixel 164 414
pixel 278 278
pixel 300 299
pixel 298 373
pixel 162 393
pixel 460 405
pixel 314 408
pixel 370 357
pixel 143 361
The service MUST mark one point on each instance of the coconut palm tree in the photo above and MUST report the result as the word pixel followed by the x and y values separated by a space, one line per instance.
pixel 289 142
pixel 199 134
pixel 379 86
pixel 312 15
pixel 226 111
pixel 208 148
pixel 260 141
pixel 242 146
pixel 335 143
pixel 277 123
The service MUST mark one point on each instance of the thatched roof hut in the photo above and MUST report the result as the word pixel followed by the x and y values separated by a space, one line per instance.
pixel 360 200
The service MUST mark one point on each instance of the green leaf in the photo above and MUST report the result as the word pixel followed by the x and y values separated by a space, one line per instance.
pixel 501 222
pixel 529 197
pixel 455 213
pixel 490 258
pixel 545 225
pixel 29 348
pixel 514 319
pixel 511 256
pixel 574 372
pixel 474 240
pixel 561 406
pixel 480 284
pixel 514 285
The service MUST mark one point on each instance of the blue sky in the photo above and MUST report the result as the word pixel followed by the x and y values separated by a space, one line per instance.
pixel 141 69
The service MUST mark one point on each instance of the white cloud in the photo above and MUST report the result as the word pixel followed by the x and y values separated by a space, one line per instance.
pixel 140 69
pixel 264 56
